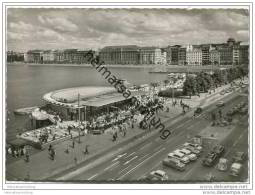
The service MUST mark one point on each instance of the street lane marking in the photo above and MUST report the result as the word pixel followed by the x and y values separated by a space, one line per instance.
pixel 145 146
pixel 93 176
pixel 157 148
pixel 144 156
pixel 118 157
pixel 141 163
pixel 130 160
pixel 111 165
pixel 124 169
pixel 129 155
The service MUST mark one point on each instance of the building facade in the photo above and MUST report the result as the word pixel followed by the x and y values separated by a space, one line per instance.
pixel 49 56
pixel 182 56
pixel 150 55
pixel 214 57
pixel 128 54
pixel 226 55
pixel 194 55
pixel 205 54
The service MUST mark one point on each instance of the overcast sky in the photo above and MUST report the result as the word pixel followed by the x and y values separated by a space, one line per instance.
pixel 95 28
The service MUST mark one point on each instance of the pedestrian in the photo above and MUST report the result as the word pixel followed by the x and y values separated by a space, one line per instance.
pixel 149 126
pixel 69 130
pixel 67 151
pixel 50 147
pixel 73 144
pixel 86 151
pixel 75 160
pixel 27 157
pixel 220 113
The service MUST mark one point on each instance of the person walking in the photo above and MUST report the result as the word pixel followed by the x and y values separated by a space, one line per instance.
pixel 73 144
pixel 75 160
pixel 86 151
pixel 50 147
pixel 27 157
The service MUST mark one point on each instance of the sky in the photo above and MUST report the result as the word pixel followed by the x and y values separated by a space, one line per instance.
pixel 49 28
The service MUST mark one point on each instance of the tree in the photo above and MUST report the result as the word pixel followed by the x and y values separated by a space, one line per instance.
pixel 166 81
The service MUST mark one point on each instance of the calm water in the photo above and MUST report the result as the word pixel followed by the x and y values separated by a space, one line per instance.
pixel 27 84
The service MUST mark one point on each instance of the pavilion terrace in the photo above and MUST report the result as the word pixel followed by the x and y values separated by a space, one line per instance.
pixel 87 100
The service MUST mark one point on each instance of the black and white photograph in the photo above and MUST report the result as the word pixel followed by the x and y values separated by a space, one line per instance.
pixel 127 95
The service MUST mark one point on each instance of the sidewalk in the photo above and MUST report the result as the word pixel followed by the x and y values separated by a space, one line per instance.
pixel 41 166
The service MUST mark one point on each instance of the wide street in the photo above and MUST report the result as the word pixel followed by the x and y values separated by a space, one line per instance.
pixel 140 159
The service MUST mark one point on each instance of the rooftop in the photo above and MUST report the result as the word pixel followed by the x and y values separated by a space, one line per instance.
pixel 89 96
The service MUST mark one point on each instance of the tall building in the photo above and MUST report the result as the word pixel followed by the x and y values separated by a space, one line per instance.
pixel 150 55
pixel 194 55
pixel 173 54
pixel 182 56
pixel 214 57
pixel 126 54
pixel 226 55
pixel 244 54
pixel 205 48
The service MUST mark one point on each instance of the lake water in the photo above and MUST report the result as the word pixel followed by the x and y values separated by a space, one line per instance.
pixel 27 84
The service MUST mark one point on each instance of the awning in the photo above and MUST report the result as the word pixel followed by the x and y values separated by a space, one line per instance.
pixel 17 142
pixel 104 100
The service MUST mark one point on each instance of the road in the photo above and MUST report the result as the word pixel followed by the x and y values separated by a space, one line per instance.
pixel 147 155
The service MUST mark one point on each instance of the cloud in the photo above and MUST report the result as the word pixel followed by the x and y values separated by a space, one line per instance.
pixel 96 28
pixel 21 26
pixel 61 24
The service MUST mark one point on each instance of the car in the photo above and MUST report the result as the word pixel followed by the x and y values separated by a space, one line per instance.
pixel 149 178
pixel 222 93
pixel 198 111
pixel 220 104
pixel 193 150
pixel 191 156
pixel 181 157
pixel 196 146
pixel 236 169
pixel 174 163
pixel 219 150
pixel 239 157
pixel 161 175
pixel 210 159
pixel 223 164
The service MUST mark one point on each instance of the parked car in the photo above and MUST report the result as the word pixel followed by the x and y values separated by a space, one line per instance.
pixel 149 178
pixel 193 150
pixel 219 150
pixel 196 146
pixel 223 164
pixel 220 104
pixel 191 156
pixel 181 157
pixel 222 92
pixel 236 169
pixel 239 157
pixel 161 175
pixel 210 159
pixel 198 111
pixel 174 163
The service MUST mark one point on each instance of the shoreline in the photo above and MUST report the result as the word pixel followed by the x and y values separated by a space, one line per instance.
pixel 81 65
